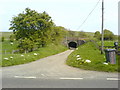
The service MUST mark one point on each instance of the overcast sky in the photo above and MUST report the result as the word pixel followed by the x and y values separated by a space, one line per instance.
pixel 67 13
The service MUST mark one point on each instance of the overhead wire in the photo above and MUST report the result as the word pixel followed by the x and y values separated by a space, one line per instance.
pixel 88 15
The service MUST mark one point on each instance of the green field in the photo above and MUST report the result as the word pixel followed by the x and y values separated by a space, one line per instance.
pixel 106 43
pixel 9 59
pixel 7 47
pixel 5 34
pixel 16 59
pixel 88 51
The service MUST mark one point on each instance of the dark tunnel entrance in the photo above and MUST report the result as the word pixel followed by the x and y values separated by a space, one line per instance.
pixel 72 44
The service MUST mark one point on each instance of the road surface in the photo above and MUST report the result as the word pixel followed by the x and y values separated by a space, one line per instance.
pixel 52 72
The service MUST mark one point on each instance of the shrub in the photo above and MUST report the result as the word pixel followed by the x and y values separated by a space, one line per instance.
pixel 2 39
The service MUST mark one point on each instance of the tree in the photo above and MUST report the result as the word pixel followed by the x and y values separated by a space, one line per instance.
pixel 26 45
pixel 82 34
pixel 58 34
pixel 97 35
pixel 33 26
pixel 71 33
pixel 12 37
pixel 108 35
pixel 30 22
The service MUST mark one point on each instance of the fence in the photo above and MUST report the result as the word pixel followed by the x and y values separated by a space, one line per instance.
pixel 99 47
pixel 7 51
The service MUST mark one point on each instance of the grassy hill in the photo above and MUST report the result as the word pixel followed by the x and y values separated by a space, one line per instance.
pixel 89 57
pixel 5 34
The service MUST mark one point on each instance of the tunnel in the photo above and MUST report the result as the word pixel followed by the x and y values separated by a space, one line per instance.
pixel 72 44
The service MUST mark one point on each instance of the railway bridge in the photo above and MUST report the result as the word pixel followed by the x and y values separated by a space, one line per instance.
pixel 75 42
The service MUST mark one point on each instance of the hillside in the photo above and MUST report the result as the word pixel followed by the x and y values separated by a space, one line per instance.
pixel 5 34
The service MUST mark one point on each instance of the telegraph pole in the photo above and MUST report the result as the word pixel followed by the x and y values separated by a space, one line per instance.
pixel 102 39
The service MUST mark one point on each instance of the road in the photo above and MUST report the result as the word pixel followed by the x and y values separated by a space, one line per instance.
pixel 52 72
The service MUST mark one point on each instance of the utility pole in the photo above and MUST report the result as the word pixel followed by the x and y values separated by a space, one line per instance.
pixel 102 39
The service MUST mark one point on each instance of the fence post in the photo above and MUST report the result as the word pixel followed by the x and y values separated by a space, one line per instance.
pixel 5 51
pixel 12 51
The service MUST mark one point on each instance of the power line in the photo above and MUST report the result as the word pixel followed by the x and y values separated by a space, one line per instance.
pixel 89 15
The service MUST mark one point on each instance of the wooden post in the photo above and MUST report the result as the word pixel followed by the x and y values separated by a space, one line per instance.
pixel 5 51
pixel 102 39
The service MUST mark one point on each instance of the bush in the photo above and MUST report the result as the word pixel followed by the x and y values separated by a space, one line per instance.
pixel 12 37
pixel 27 45
pixel 2 39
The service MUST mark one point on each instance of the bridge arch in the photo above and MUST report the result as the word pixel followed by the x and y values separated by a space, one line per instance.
pixel 72 44
pixel 75 43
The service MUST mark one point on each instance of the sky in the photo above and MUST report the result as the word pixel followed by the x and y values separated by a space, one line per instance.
pixel 70 14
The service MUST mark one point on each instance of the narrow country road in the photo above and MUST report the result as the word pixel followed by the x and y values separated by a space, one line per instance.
pixel 52 72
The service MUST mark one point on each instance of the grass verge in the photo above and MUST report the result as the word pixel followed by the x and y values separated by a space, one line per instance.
pixel 88 51
pixel 16 59
pixel 106 43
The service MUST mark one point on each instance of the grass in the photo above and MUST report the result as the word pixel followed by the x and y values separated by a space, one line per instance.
pixel 29 57
pixel 90 52
pixel 7 47
pixel 6 50
pixel 107 43
pixel 5 34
